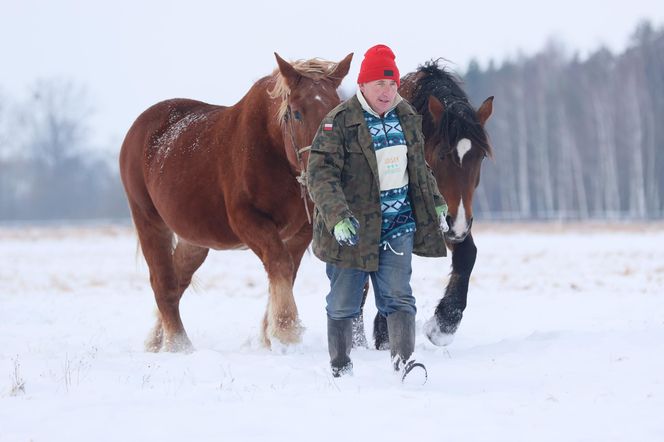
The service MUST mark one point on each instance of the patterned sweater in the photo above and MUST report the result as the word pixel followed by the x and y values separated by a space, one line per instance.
pixel 391 156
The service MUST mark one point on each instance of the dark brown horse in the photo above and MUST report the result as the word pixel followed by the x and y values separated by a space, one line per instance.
pixel 200 177
pixel 455 145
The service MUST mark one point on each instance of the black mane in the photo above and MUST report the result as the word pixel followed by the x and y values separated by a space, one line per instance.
pixel 459 119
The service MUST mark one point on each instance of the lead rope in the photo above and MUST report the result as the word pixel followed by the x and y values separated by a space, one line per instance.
pixel 302 177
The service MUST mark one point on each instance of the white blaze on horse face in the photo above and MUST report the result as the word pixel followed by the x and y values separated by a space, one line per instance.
pixel 459 224
pixel 318 90
pixel 463 147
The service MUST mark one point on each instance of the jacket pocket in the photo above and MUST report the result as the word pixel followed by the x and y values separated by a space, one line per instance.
pixel 352 142
pixel 353 147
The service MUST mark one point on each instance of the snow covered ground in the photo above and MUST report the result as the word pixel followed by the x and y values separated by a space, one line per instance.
pixel 563 340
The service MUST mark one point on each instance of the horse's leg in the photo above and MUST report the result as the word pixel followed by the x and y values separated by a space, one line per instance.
pixel 187 258
pixel 156 242
pixel 441 327
pixel 260 234
pixel 359 337
pixel 297 245
pixel 381 338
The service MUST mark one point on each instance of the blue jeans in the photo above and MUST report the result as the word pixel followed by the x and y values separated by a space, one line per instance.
pixel 391 282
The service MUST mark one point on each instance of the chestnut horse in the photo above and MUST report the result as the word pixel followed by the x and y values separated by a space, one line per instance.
pixel 455 143
pixel 200 177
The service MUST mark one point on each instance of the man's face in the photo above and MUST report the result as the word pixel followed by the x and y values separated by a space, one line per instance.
pixel 379 94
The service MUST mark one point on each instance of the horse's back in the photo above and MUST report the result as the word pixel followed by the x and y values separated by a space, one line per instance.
pixel 149 129
pixel 159 117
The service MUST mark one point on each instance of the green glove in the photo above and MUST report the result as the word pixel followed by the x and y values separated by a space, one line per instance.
pixel 345 231
pixel 441 211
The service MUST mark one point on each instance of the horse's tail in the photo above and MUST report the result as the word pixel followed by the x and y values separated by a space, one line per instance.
pixel 138 243
pixel 138 250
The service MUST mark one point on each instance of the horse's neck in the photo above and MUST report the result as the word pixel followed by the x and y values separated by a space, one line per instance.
pixel 259 114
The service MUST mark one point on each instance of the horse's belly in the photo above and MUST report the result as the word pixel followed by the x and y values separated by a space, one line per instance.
pixel 198 218
pixel 193 205
pixel 205 229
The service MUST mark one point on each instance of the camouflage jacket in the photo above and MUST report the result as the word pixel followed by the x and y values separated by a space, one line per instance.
pixel 343 181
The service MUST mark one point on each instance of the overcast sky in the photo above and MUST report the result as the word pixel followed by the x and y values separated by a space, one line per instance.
pixel 129 54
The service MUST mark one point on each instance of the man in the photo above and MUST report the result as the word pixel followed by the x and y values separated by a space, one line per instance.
pixel 376 204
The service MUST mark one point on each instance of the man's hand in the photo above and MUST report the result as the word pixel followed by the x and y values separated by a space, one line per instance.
pixel 345 232
pixel 442 218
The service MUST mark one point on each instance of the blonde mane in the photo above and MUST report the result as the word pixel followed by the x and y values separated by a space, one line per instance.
pixel 316 69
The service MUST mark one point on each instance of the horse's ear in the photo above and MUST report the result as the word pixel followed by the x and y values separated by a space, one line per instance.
pixel 484 112
pixel 436 108
pixel 287 71
pixel 341 70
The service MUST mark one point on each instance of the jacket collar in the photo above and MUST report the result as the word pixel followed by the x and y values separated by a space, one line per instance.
pixel 355 110
pixel 365 105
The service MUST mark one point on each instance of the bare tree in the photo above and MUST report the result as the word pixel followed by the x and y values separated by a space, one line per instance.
pixel 645 62
pixel 56 117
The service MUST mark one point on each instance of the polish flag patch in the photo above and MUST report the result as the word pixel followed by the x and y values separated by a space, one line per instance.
pixel 327 126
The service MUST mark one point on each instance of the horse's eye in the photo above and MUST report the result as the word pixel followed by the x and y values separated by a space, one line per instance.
pixel 297 115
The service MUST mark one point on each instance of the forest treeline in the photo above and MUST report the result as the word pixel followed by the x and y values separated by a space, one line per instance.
pixel 575 139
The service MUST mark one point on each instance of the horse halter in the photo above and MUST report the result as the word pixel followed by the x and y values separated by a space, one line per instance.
pixel 302 177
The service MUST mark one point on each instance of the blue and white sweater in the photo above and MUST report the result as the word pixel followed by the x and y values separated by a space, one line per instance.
pixel 391 155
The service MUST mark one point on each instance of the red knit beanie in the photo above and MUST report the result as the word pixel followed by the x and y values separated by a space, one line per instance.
pixel 378 64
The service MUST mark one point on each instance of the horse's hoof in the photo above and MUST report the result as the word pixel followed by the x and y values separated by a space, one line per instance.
pixel 290 337
pixel 265 340
pixel 287 332
pixel 152 346
pixel 178 344
pixel 436 335
pixel 155 339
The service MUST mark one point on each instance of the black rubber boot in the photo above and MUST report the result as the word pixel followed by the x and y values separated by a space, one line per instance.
pixel 339 342
pixel 401 331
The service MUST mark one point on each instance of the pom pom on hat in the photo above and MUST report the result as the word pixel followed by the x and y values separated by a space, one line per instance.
pixel 378 64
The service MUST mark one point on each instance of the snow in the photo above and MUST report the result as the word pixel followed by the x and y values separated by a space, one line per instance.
pixel 166 141
pixel 562 341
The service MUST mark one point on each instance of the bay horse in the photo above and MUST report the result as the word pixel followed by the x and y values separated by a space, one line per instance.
pixel 455 143
pixel 200 176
